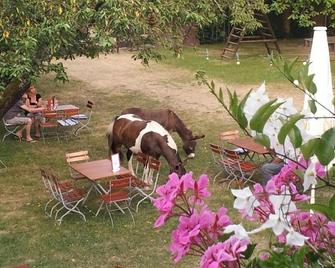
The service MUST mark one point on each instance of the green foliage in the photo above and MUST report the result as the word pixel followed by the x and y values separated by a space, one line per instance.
pixel 263 114
pixel 282 257
pixel 288 127
pixel 328 210
pixel 35 34
pixel 305 12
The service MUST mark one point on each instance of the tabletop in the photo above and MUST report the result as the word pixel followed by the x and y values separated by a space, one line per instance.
pixel 249 144
pixel 98 169
pixel 65 107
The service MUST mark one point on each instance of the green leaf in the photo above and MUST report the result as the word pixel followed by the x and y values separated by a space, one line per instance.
pixel 212 85
pixel 308 149
pixel 323 209
pixel 299 173
pixel 312 257
pixel 312 106
pixel 288 126
pixel 295 137
pixel 248 252
pixel 220 94
pixel 329 135
pixel 331 172
pixel 263 140
pixel 263 114
pixel 324 152
pixel 299 256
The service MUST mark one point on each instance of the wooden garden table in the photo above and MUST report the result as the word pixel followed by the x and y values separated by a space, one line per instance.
pixel 97 170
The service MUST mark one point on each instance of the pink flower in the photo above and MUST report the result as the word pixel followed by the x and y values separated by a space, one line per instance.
pixel 264 256
pixel 226 252
pixel 315 226
pixel 331 227
pixel 185 234
pixel 214 256
pixel 200 189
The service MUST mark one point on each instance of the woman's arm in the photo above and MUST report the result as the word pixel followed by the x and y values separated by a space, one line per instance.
pixel 31 109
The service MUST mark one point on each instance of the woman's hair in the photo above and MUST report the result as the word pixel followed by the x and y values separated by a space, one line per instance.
pixel 29 90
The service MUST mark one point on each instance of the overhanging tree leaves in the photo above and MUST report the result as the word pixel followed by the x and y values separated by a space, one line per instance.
pixel 35 34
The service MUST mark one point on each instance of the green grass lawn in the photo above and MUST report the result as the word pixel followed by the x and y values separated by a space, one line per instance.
pixel 28 236
pixel 254 64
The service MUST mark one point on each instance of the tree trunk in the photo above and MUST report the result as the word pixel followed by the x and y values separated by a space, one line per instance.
pixel 286 23
pixel 12 94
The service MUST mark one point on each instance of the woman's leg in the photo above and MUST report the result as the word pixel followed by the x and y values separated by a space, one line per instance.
pixel 28 129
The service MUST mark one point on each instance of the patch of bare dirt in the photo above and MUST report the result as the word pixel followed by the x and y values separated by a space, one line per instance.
pixel 178 88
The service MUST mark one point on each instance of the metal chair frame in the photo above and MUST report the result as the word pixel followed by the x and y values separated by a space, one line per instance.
pixel 222 163
pixel 241 168
pixel 150 177
pixel 84 119
pixel 10 129
pixel 69 199
pixel 50 123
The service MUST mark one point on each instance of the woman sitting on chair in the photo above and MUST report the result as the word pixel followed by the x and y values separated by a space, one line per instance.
pixel 35 101
pixel 16 116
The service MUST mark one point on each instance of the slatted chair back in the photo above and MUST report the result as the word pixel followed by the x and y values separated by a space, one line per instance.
pixel 229 135
pixel 49 124
pixel 118 196
pixel 76 157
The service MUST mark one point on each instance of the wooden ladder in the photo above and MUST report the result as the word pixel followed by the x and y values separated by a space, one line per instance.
pixel 264 34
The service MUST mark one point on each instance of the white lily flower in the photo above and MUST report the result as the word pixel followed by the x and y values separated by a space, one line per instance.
pixel 238 230
pixel 287 108
pixel 282 202
pixel 277 222
pixel 255 100
pixel 295 239
pixel 310 176
pixel 245 200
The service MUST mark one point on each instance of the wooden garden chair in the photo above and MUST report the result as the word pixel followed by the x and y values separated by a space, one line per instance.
pixel 76 157
pixel 222 163
pixel 69 199
pixel 10 129
pixel 118 197
pixel 145 186
pixel 84 119
pixel 241 169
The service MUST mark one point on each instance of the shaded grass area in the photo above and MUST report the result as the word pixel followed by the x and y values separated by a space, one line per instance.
pixel 254 64
pixel 28 236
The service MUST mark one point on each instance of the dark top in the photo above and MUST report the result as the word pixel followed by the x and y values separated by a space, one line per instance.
pixel 15 111
pixel 34 104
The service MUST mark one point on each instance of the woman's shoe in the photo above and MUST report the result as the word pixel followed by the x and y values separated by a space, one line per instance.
pixel 32 141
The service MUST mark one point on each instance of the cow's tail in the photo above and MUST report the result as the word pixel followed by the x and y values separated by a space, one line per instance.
pixel 109 135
